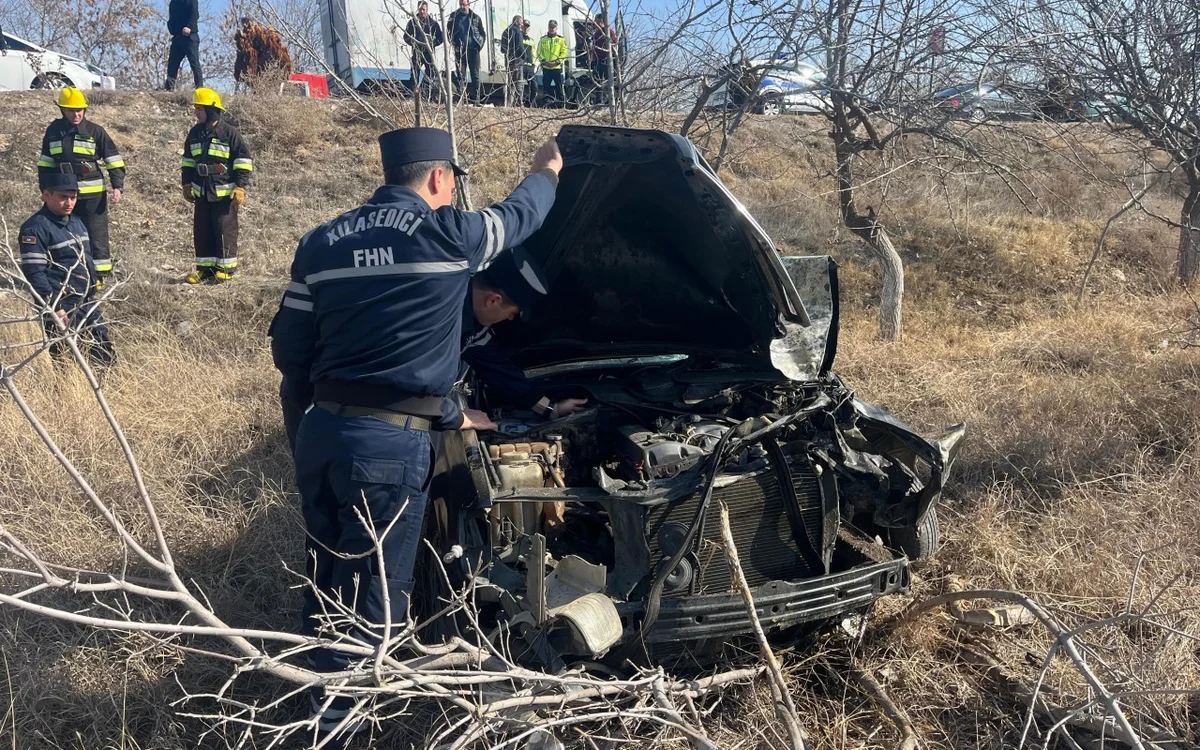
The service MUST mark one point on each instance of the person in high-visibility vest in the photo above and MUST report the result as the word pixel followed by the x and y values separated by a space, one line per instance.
pixel 216 171
pixel 76 145
pixel 552 55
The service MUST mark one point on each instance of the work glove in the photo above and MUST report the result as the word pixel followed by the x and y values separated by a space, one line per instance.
pixel 187 194
pixel 239 196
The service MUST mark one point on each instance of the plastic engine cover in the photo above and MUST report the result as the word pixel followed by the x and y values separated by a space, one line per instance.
pixel 657 456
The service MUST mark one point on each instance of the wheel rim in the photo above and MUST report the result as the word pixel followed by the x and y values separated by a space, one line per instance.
pixel 52 81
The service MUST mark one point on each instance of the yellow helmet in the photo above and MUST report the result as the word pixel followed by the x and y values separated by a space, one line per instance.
pixel 207 98
pixel 70 98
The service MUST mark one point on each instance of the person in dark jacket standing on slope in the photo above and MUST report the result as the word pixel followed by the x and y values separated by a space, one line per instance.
pixel 424 35
pixel 183 17
pixel 465 29
pixel 78 146
pixel 512 46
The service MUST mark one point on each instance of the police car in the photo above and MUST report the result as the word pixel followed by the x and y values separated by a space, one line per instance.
pixel 786 86
pixel 25 65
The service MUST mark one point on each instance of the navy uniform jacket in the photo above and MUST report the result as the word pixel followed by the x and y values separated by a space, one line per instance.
pixel 373 313
pixel 493 364
pixel 56 258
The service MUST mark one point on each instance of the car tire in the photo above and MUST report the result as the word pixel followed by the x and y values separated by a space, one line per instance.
pixel 771 107
pixel 977 114
pixel 921 540
pixel 52 81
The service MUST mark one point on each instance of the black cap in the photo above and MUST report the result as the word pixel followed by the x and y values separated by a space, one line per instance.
pixel 411 145
pixel 520 277
pixel 59 181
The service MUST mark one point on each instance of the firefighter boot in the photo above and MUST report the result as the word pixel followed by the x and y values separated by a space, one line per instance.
pixel 199 276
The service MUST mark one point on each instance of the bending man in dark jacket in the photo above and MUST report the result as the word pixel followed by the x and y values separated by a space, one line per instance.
pixel 506 290
pixel 183 17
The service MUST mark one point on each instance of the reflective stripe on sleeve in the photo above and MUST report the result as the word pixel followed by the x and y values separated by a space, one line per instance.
pixel 495 239
pixel 394 269
pixel 246 164
pixel 115 162
pixel 296 304
pixel 46 161
pixel 297 288
pixel 186 162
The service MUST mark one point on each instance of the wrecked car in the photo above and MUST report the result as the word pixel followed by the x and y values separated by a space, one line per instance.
pixel 706 358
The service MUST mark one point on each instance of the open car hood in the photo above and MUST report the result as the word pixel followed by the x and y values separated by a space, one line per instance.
pixel 647 252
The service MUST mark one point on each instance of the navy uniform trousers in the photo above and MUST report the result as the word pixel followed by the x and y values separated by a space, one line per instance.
pixel 347 467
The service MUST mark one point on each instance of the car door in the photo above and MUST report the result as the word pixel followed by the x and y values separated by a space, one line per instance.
pixel 16 73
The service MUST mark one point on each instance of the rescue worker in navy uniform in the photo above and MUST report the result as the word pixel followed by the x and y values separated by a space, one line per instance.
pixel 369 332
pixel 216 171
pixel 56 261
pixel 73 144
pixel 506 290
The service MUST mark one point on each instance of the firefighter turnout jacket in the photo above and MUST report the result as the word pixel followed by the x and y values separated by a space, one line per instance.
pixel 56 259
pixel 82 150
pixel 373 314
pixel 215 161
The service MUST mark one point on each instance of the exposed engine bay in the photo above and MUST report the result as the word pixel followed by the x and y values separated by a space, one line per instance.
pixel 621 504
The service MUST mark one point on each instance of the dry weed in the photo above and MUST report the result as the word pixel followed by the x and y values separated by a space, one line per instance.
pixel 1083 456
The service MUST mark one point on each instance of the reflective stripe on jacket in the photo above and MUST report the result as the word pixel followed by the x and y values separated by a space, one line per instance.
pixel 552 51
pixel 86 148
pixel 376 296
pixel 215 161
pixel 56 259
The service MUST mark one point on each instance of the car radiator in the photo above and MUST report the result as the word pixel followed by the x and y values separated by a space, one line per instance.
pixel 761 528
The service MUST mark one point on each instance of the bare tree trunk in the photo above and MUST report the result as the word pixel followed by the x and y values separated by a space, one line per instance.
pixel 1189 234
pixel 891 296
pixel 865 226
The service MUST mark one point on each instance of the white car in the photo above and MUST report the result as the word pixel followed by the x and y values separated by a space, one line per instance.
pixel 25 65
pixel 787 86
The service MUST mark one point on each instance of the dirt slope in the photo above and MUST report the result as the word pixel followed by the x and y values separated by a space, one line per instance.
pixel 1083 456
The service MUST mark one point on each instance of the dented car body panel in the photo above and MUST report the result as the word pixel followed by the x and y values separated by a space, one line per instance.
pixel 706 359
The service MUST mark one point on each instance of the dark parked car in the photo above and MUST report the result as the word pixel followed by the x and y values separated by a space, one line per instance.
pixel 980 102
pixel 707 361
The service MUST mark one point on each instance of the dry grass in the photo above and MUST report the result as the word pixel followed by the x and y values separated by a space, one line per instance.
pixel 1083 455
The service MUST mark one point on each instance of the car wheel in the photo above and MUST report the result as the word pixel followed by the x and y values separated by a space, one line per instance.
pixel 978 114
pixel 921 540
pixel 53 81
pixel 771 107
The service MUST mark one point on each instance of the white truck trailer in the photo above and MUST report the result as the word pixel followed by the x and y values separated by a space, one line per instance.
pixel 365 47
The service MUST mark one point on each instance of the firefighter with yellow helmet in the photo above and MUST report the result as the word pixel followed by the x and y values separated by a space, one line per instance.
pixel 216 170
pixel 77 146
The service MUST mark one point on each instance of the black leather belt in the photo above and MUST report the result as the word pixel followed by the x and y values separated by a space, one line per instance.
pixel 391 417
